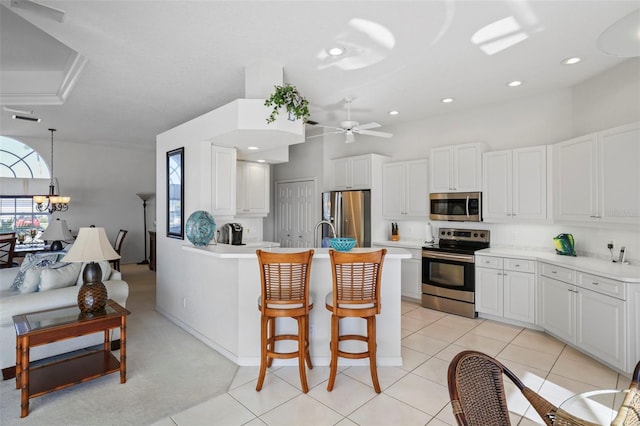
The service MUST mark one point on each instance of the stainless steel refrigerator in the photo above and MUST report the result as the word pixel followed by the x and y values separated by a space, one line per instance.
pixel 350 214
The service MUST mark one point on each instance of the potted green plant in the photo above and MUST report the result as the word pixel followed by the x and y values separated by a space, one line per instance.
pixel 288 97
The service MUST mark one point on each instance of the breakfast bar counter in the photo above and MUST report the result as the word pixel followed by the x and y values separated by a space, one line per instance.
pixel 220 304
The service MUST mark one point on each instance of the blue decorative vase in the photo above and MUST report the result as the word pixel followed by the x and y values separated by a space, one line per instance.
pixel 200 228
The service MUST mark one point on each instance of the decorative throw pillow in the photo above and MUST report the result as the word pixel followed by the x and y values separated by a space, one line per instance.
pixel 32 260
pixel 104 267
pixel 31 280
pixel 59 275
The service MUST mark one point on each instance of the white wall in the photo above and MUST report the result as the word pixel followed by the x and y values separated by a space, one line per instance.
pixel 607 100
pixel 102 182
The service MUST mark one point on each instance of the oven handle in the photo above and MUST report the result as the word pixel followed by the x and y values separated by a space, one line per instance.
pixel 466 258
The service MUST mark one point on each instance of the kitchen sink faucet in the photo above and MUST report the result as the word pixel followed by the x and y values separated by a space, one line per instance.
pixel 315 231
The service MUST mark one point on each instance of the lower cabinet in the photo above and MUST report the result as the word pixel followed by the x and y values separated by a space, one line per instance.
pixel 505 287
pixel 412 276
pixel 592 320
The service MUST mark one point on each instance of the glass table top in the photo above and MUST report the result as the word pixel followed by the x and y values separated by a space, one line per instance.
pixel 599 407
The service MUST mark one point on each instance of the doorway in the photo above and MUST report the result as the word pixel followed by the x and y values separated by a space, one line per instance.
pixel 296 213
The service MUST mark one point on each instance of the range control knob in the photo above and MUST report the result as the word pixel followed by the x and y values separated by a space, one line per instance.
pixel 475 235
pixel 449 233
pixel 482 235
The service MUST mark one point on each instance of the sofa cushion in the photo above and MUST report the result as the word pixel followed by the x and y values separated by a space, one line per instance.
pixel 31 280
pixel 59 275
pixel 32 260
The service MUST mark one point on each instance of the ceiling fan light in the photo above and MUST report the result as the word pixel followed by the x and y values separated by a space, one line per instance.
pixel 336 51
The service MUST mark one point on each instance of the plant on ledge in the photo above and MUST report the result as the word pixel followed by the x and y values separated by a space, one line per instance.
pixel 288 97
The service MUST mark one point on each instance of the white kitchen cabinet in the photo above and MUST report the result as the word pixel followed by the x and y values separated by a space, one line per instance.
pixel 514 185
pixel 405 191
pixel 352 172
pixel 597 178
pixel 505 287
pixel 223 181
pixel 586 311
pixel 411 272
pixel 252 195
pixel 456 168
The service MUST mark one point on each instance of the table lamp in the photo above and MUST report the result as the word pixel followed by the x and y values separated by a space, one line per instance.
pixel 92 245
pixel 56 232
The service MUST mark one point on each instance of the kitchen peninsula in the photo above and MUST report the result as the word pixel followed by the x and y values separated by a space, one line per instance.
pixel 223 313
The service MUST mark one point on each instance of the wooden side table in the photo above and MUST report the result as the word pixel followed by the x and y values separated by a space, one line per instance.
pixel 43 327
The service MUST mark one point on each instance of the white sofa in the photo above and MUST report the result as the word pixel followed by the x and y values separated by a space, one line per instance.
pixel 15 303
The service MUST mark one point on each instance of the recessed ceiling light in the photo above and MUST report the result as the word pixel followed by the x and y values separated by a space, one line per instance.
pixel 571 61
pixel 252 147
pixel 336 51
pixel 446 100
pixel 514 83
pixel 262 161
pixel 394 112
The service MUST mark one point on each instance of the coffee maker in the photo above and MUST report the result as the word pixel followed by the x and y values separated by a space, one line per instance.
pixel 231 233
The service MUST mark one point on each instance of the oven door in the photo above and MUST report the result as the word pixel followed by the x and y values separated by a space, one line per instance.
pixel 448 274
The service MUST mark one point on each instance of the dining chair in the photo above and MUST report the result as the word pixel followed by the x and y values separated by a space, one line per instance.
pixel 356 294
pixel 629 411
pixel 284 293
pixel 117 246
pixel 7 247
pixel 477 393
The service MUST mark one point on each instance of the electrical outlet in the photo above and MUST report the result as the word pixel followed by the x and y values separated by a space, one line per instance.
pixel 611 244
pixel 312 329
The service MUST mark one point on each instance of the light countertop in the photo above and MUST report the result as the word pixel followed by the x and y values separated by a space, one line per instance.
pixel 592 265
pixel 407 244
pixel 248 251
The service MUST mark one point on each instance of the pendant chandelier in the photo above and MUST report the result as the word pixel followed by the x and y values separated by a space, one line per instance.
pixel 52 202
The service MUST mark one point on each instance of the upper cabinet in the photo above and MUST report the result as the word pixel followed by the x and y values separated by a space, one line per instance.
pixel 223 181
pixel 405 192
pixel 597 178
pixel 252 191
pixel 514 184
pixel 456 168
pixel 354 172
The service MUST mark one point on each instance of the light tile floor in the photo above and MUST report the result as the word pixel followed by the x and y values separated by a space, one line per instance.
pixel 414 394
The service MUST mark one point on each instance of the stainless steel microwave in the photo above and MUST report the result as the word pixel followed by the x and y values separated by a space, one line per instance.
pixel 456 206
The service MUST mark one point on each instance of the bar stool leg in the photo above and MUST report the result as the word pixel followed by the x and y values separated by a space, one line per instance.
pixel 264 339
pixel 308 354
pixel 372 347
pixel 271 345
pixel 335 337
pixel 302 349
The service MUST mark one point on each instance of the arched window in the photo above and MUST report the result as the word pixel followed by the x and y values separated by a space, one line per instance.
pixel 18 160
pixel 18 213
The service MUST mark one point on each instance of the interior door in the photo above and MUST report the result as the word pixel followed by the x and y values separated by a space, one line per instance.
pixel 295 210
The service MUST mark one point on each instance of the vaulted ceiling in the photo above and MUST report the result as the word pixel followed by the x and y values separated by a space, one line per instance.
pixel 122 72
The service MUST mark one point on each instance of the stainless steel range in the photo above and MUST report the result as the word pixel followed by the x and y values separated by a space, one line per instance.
pixel 448 271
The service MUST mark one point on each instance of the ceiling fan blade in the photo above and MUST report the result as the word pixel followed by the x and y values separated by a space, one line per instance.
pixel 323 134
pixel 39 8
pixel 330 127
pixel 374 133
pixel 366 126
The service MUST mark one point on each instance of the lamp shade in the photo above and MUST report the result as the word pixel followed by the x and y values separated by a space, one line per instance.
pixel 91 245
pixel 57 231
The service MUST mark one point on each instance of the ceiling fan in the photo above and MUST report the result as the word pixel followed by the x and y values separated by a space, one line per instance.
pixel 44 10
pixel 351 128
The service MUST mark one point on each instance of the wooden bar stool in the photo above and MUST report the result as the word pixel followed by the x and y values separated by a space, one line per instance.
pixel 284 294
pixel 356 294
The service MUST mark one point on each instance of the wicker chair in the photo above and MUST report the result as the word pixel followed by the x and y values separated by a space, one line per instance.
pixel 629 412
pixel 7 247
pixel 477 392
pixel 285 294
pixel 356 294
